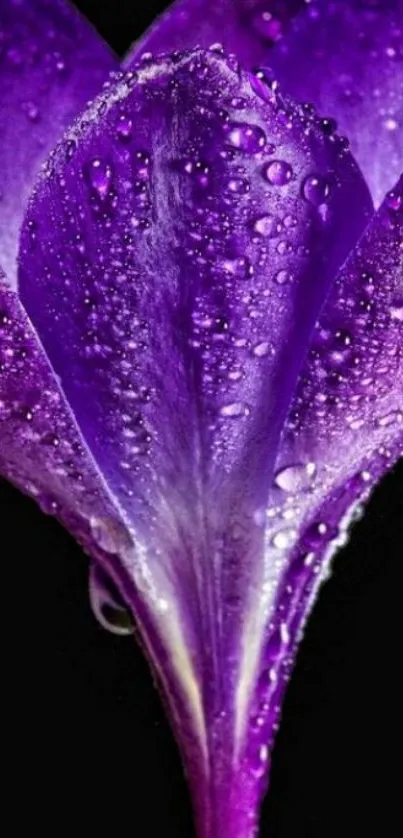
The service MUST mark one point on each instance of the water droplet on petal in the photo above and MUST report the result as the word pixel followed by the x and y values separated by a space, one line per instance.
pixel 278 172
pixel 234 410
pixel 282 277
pixel 316 534
pixel 261 349
pixel 284 539
pixel 240 267
pixel 125 128
pixel 392 418
pixel 266 226
pixel 100 177
pixel 31 110
pixel 316 189
pixel 239 185
pixel 247 137
pixel 295 478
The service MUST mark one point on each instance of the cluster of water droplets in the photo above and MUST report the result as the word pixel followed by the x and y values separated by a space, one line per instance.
pixel 40 450
pixel 355 356
pixel 247 251
pixel 347 393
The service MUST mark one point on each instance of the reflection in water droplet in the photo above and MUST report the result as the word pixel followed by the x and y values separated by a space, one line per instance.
pixel 316 189
pixel 240 267
pixel 392 418
pixel 234 410
pixel 125 128
pixel 266 226
pixel 284 539
pixel 278 172
pixel 100 176
pixel 261 349
pixel 282 277
pixel 295 478
pixel 247 137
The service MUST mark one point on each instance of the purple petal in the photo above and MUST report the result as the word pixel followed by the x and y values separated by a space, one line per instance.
pixel 344 430
pixel 51 63
pixel 173 260
pixel 41 449
pixel 43 453
pixel 346 58
pixel 247 28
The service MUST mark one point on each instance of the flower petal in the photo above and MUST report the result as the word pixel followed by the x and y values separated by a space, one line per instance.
pixel 346 58
pixel 41 449
pixel 245 27
pixel 173 260
pixel 43 453
pixel 344 430
pixel 51 63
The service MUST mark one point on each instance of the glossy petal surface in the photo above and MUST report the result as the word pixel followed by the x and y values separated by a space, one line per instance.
pixel 347 59
pixel 51 63
pixel 247 28
pixel 41 449
pixel 344 431
pixel 174 284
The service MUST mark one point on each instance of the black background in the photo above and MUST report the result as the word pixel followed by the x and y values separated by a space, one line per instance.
pixel 85 742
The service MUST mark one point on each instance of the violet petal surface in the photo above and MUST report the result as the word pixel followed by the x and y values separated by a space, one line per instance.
pixel 343 432
pixel 52 62
pixel 174 286
pixel 41 448
pixel 346 58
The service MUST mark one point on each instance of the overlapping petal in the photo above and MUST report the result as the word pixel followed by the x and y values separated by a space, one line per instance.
pixel 344 431
pixel 247 28
pixel 51 64
pixel 41 449
pixel 346 58
pixel 174 257
pixel 174 285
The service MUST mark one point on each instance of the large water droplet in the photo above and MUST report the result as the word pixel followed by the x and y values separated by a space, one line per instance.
pixel 239 185
pixel 266 226
pixel 283 539
pixel 316 189
pixel 31 110
pixel 296 477
pixel 278 172
pixel 240 267
pixel 235 410
pixel 282 277
pixel 247 137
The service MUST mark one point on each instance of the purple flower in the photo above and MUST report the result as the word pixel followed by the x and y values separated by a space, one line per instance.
pixel 201 320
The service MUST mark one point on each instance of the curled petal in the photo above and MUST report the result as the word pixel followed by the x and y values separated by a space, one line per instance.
pixel 247 28
pixel 106 603
pixel 51 63
pixel 173 260
pixel 346 58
